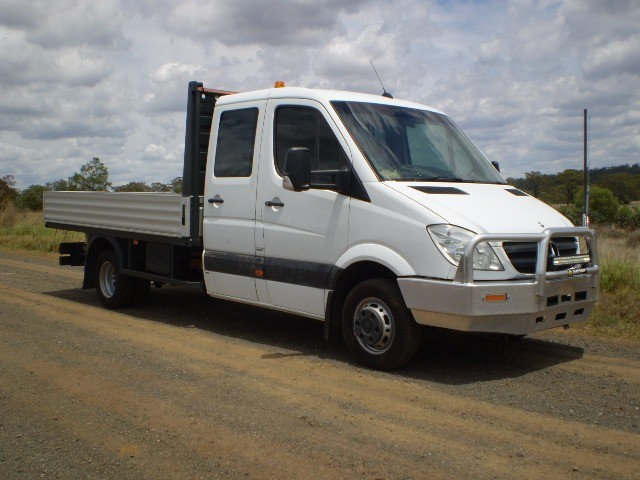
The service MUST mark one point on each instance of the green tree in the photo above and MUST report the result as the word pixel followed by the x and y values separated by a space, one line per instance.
pixel 160 187
pixel 176 185
pixel 31 197
pixel 569 181
pixel 133 187
pixel 603 205
pixel 624 185
pixel 7 191
pixel 93 176
pixel 519 183
pixel 58 185
pixel 572 213
pixel 540 185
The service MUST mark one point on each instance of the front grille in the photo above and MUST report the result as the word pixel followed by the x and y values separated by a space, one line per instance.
pixel 524 255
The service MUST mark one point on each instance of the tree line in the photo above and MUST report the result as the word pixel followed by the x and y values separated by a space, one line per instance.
pixel 612 190
pixel 92 176
pixel 612 193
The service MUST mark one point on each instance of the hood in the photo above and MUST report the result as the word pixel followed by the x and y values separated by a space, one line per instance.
pixel 483 208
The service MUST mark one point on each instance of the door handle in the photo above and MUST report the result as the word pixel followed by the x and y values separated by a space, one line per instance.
pixel 271 203
pixel 215 200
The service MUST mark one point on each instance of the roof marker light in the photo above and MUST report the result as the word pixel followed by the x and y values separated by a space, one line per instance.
pixel 279 84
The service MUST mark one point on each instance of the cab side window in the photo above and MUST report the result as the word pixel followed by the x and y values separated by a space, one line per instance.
pixel 236 139
pixel 298 126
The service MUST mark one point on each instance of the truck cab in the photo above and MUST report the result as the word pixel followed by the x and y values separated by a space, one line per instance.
pixel 374 215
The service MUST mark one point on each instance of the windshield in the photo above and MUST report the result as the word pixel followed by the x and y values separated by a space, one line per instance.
pixel 408 144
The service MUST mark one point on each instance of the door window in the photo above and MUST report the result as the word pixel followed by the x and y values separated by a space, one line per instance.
pixel 236 139
pixel 298 126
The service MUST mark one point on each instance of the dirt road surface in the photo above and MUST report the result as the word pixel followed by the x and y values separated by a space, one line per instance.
pixel 190 387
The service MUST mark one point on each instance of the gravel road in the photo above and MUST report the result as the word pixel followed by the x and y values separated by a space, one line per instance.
pixel 191 387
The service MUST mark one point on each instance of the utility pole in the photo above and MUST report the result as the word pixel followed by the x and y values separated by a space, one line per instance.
pixel 585 215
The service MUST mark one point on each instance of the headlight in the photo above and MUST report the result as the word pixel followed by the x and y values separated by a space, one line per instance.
pixel 452 241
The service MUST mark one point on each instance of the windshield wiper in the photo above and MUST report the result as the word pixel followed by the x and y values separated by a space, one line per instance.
pixel 446 179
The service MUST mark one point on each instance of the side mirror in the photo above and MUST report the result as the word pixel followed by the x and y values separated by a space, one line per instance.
pixel 343 180
pixel 297 169
pixel 496 165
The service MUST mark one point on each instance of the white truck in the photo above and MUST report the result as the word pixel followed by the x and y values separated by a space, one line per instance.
pixel 372 214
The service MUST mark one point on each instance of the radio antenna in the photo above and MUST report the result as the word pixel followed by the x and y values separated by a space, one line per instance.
pixel 384 92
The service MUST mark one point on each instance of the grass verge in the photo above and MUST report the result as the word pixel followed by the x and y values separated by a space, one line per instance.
pixel 617 314
pixel 26 231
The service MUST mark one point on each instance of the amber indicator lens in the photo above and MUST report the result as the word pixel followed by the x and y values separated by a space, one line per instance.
pixel 495 297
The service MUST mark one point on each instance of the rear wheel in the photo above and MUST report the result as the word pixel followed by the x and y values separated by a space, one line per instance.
pixel 378 329
pixel 114 289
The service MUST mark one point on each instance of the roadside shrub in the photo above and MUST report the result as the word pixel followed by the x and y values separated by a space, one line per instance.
pixel 603 204
pixel 617 274
pixel 571 212
pixel 635 220
pixel 31 197
pixel 624 217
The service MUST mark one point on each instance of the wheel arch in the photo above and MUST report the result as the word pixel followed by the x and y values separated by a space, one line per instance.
pixel 356 272
pixel 95 246
pixel 378 254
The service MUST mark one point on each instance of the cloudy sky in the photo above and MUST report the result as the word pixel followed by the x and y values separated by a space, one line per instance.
pixel 108 78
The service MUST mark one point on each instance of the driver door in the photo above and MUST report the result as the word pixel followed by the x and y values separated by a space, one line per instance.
pixel 302 233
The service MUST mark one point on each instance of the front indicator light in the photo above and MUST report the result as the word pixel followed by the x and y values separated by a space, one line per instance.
pixel 495 297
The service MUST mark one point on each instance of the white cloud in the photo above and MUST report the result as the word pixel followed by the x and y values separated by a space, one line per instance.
pixel 161 95
pixel 614 58
pixel 242 22
pixel 82 79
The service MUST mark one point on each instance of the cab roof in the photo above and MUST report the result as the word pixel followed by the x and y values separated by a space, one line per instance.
pixel 322 96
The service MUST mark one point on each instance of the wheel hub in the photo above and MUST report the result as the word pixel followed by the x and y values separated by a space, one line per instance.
pixel 107 278
pixel 373 326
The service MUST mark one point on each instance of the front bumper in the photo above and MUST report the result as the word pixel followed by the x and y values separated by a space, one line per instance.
pixel 532 301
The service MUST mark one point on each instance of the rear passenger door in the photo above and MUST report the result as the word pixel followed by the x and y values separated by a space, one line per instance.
pixel 229 219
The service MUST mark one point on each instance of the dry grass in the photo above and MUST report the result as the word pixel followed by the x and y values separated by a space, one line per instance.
pixel 617 314
pixel 618 244
pixel 25 230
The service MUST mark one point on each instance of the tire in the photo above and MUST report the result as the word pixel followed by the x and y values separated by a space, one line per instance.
pixel 378 328
pixel 114 289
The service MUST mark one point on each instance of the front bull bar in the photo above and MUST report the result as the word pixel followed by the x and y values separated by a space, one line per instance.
pixel 544 299
pixel 464 273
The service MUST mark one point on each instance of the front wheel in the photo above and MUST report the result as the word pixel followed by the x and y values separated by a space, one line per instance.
pixel 378 329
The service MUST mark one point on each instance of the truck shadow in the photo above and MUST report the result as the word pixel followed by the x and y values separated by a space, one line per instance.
pixel 445 357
